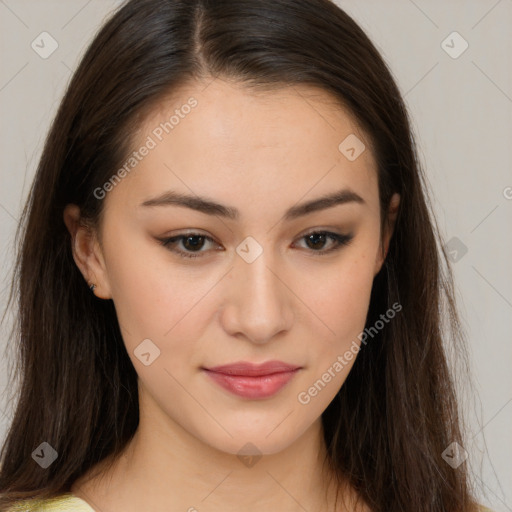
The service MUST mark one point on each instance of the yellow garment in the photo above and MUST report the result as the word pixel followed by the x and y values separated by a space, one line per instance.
pixel 70 503
pixel 64 503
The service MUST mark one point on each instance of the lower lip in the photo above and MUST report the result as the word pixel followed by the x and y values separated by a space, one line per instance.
pixel 263 386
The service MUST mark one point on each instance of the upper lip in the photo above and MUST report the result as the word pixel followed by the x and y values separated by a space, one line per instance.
pixel 253 370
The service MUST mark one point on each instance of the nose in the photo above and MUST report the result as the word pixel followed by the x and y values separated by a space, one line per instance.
pixel 259 301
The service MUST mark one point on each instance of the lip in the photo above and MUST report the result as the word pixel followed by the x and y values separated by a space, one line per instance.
pixel 251 380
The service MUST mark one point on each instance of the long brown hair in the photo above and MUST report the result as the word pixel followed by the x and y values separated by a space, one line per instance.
pixel 397 411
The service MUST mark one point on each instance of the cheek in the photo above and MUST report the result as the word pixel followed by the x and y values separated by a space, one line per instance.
pixel 157 299
pixel 354 290
pixel 341 295
pixel 342 305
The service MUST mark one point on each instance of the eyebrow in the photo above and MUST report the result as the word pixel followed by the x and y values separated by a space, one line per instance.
pixel 209 207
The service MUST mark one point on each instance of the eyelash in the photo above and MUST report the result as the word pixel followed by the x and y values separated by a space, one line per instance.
pixel 341 240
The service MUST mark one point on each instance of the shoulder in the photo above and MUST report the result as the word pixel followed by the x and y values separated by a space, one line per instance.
pixel 65 502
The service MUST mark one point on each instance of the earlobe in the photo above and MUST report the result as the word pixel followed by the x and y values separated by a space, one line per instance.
pixel 87 252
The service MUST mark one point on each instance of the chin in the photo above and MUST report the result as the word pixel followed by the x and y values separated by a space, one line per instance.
pixel 254 441
pixel 252 446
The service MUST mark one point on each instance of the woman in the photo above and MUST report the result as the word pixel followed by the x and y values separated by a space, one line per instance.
pixel 230 284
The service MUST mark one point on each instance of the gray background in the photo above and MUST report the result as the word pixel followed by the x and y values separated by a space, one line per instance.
pixel 461 111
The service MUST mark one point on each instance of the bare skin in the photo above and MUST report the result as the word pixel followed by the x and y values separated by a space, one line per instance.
pixel 261 153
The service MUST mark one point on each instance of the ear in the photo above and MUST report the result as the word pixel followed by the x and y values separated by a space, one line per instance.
pixel 87 252
pixel 389 227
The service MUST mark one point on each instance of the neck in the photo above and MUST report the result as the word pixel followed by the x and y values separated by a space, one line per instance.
pixel 164 467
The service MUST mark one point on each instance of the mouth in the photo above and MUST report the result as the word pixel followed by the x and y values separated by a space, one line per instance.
pixel 253 381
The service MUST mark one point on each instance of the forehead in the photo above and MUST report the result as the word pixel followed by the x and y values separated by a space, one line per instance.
pixel 223 139
pixel 223 107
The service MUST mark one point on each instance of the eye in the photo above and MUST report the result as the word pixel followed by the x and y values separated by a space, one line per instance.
pixel 193 243
pixel 317 239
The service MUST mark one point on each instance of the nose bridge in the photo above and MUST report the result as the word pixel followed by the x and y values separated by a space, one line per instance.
pixel 260 280
pixel 259 306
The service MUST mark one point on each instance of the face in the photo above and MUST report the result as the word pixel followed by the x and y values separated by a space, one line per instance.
pixel 256 277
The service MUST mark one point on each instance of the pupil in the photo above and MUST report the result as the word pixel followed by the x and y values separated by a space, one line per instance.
pixel 186 242
pixel 317 236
